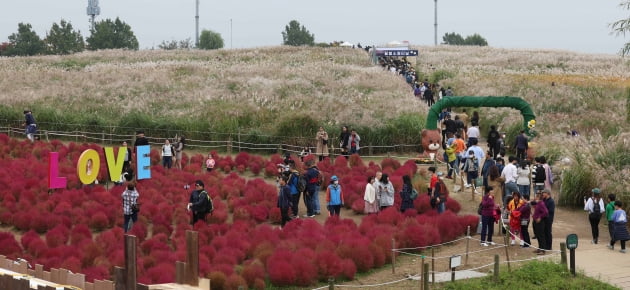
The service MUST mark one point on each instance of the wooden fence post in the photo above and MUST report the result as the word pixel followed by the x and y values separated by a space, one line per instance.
pixel 506 240
pixel 192 258
pixel 130 262
pixel 467 244
pixel 496 268
pixel 393 256
pixel 563 253
pixel 432 265
pixel 119 278
pixel 425 276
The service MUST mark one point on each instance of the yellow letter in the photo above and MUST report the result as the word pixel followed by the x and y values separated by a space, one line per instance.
pixel 88 175
pixel 115 164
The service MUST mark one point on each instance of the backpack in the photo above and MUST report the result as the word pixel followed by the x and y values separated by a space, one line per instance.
pixel 414 194
pixel 597 210
pixel 443 190
pixel 210 206
pixel 320 178
pixel 301 182
pixel 540 174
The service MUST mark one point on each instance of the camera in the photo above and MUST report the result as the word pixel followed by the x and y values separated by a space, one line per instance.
pixel 186 186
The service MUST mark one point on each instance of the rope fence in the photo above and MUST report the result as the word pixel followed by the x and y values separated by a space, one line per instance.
pixel 430 274
pixel 232 143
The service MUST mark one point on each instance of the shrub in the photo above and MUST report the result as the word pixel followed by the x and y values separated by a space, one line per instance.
pixel 162 273
pixel 235 281
pixel 10 247
pixel 98 221
pixel 252 271
pixel 348 269
pixel 358 206
pixel 57 236
pixel 218 279
pixel 79 233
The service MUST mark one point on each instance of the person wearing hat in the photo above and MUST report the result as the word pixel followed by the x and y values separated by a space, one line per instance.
pixel 30 126
pixel 334 196
pixel 595 207
pixel 199 203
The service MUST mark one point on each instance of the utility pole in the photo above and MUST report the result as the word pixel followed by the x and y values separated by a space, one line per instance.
pixel 197 25
pixel 435 34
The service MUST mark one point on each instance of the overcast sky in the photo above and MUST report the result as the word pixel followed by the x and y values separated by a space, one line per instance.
pixel 576 25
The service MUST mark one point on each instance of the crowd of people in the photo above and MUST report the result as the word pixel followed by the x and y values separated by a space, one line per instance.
pixel 422 90
pixel 512 182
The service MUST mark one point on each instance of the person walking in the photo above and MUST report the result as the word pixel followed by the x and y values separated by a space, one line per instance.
pixel 371 203
pixel 595 207
pixel 312 176
pixel 522 181
pixel 610 209
pixel 620 233
pixel 199 203
pixel 521 146
pixel 439 194
pixel 510 174
pixel 30 127
pixel 334 196
pixel 540 219
pixel 405 194
pixel 284 200
pixel 294 186
pixel 488 208
pixel 130 206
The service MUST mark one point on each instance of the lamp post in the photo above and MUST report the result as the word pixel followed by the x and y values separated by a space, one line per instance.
pixel 435 33
pixel 197 24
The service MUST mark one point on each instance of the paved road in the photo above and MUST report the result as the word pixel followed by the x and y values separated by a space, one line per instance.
pixel 599 262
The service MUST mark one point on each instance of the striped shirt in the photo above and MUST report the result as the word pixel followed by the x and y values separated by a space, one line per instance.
pixel 129 197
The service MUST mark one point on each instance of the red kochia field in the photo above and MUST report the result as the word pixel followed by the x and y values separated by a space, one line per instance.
pixel 79 228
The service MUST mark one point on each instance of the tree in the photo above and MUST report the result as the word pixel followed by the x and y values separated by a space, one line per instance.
pixel 210 40
pixel 296 35
pixel 475 39
pixel 174 44
pixel 622 26
pixel 62 39
pixel 452 39
pixel 456 39
pixel 108 34
pixel 24 42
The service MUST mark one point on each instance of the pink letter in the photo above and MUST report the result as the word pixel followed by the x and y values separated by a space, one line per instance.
pixel 54 181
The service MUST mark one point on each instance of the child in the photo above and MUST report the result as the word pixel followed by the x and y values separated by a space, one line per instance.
pixel 305 152
pixel 284 200
pixel 334 197
pixel 210 163
pixel 620 231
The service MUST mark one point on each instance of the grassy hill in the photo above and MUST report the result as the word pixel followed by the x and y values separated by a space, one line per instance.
pixel 288 91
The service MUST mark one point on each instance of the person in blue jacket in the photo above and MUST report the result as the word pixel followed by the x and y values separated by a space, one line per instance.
pixel 334 196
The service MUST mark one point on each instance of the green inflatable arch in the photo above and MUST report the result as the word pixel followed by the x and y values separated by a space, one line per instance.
pixel 511 102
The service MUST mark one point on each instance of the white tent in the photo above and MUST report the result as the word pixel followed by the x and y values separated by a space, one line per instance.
pixel 346 44
pixel 394 43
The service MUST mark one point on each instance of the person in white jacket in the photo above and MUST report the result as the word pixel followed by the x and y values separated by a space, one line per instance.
pixel 371 204
pixel 595 207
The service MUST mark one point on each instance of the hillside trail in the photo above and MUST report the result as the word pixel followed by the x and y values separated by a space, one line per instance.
pixel 594 260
